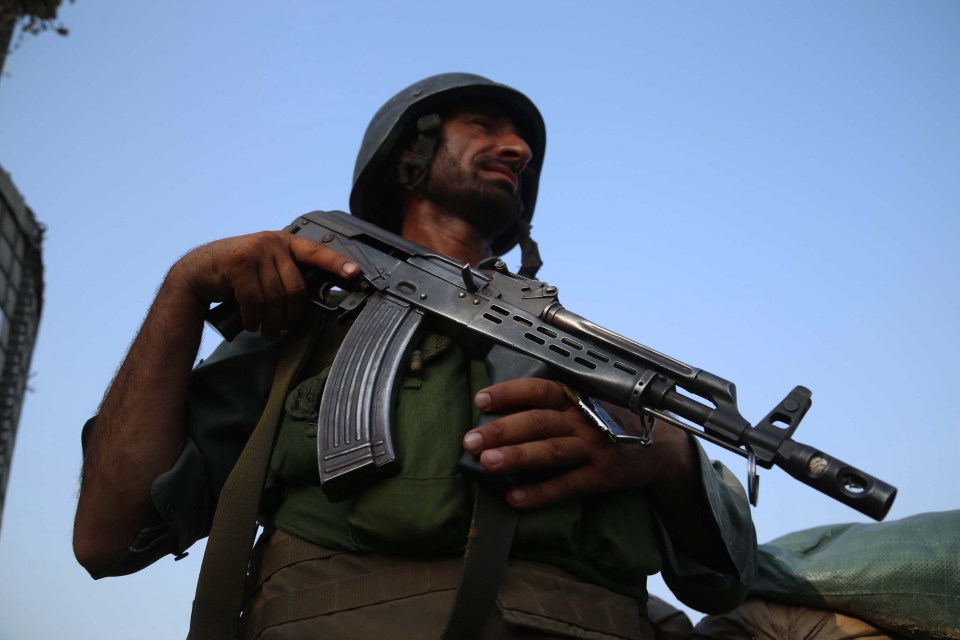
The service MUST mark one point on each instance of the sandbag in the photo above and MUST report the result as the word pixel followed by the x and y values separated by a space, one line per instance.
pixel 903 575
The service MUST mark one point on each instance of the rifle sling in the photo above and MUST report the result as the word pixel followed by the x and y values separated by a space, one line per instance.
pixel 220 588
pixel 484 565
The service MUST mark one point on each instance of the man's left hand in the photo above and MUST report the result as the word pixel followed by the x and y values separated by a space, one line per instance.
pixel 547 431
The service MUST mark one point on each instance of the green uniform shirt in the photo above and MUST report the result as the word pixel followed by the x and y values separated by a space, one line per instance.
pixel 613 539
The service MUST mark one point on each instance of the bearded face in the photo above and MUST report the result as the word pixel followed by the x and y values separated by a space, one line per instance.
pixel 491 207
pixel 475 174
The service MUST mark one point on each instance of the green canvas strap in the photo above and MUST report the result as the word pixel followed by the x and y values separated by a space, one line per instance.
pixel 494 521
pixel 484 565
pixel 220 588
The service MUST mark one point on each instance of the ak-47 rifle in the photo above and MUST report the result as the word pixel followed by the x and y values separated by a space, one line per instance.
pixel 405 287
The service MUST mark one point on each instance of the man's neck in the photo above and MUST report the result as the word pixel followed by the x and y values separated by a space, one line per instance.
pixel 445 233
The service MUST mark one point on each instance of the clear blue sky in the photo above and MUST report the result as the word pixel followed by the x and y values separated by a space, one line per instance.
pixel 766 190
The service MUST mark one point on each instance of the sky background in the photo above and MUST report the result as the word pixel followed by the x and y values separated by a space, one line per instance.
pixel 766 190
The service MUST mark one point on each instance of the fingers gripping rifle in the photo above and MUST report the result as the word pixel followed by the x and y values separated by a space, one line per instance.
pixel 405 287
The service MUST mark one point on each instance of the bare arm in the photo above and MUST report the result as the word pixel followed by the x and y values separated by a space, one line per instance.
pixel 140 428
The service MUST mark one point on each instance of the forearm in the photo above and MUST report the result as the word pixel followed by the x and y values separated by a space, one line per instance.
pixel 709 551
pixel 680 502
pixel 675 489
pixel 139 431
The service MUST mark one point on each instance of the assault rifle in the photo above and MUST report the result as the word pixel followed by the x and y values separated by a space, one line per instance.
pixel 405 287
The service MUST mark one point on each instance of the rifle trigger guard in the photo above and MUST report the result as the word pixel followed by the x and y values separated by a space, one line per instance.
pixel 322 298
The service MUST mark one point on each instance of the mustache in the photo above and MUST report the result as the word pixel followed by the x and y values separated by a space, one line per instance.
pixel 490 162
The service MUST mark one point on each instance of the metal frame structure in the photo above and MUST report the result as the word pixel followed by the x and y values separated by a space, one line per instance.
pixel 21 301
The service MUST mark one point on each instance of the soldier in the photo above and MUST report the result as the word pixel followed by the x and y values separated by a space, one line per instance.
pixel 453 163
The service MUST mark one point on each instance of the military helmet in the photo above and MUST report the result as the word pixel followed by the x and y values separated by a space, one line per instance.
pixel 401 113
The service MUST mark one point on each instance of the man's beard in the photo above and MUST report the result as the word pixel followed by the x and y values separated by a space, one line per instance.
pixel 488 206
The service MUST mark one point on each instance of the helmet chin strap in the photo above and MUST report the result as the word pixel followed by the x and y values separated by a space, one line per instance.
pixel 428 128
pixel 530 261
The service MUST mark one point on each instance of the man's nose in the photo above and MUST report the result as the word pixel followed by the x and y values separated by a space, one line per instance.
pixel 512 146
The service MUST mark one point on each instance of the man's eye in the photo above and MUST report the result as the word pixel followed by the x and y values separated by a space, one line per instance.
pixel 481 122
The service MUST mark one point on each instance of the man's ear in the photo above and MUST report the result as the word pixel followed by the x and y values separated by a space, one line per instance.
pixel 413 169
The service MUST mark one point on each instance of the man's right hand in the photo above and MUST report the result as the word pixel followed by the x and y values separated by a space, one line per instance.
pixel 141 425
pixel 262 272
